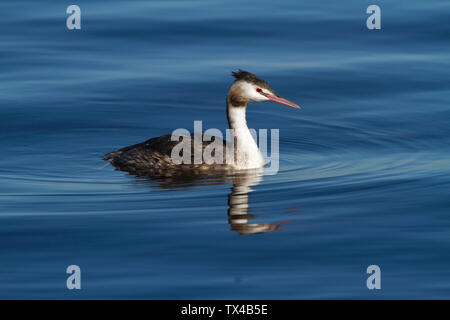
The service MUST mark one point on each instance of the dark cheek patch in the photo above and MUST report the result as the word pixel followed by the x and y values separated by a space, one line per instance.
pixel 236 99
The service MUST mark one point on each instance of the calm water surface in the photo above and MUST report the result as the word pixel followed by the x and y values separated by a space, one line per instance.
pixel 364 166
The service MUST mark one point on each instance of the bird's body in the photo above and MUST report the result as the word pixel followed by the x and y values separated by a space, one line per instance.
pixel 155 156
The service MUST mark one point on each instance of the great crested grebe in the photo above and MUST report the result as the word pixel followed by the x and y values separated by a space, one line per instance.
pixel 153 157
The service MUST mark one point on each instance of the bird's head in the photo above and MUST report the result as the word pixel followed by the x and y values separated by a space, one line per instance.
pixel 249 88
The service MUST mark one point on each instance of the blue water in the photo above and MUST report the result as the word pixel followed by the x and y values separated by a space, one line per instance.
pixel 364 166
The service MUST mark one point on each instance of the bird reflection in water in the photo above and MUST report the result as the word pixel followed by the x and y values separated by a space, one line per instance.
pixel 239 217
pixel 238 206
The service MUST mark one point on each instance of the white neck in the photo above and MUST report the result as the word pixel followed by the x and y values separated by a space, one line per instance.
pixel 246 151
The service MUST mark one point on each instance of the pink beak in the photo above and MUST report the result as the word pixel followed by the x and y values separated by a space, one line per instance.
pixel 281 100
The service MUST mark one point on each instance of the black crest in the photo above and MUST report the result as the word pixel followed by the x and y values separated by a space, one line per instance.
pixel 250 77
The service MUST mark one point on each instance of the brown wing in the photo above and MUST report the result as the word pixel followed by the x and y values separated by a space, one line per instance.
pixel 153 157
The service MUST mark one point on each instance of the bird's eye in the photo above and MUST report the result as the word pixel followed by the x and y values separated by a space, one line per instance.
pixel 258 90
